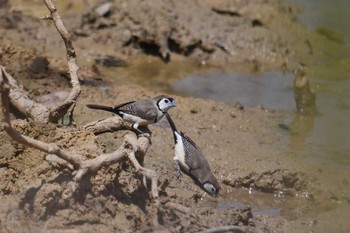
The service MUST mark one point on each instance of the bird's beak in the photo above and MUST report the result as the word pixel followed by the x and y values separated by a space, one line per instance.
pixel 174 103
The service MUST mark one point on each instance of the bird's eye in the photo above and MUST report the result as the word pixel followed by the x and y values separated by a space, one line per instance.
pixel 166 101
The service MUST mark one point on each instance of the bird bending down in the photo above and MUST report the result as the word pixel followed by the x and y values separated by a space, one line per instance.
pixel 190 159
pixel 141 112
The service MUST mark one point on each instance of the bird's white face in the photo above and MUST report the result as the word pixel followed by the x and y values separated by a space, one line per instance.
pixel 164 104
pixel 210 189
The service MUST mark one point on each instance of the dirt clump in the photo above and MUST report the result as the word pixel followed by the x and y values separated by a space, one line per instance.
pixel 275 181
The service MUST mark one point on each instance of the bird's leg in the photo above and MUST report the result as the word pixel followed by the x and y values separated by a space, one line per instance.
pixel 144 181
pixel 177 168
pixel 141 133
pixel 136 127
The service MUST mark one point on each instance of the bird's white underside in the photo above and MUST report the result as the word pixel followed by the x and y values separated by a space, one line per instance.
pixel 135 119
pixel 180 152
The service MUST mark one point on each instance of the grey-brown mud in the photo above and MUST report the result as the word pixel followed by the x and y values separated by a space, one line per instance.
pixel 262 189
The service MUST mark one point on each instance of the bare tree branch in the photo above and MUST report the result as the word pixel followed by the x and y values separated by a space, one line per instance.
pixel 23 103
pixel 37 111
pixel 130 146
pixel 107 125
pixel 181 209
pixel 59 111
pixel 48 148
pixel 152 175
pixel 228 228
pixel 94 164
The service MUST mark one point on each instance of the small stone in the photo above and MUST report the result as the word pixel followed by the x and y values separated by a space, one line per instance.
pixel 195 110
pixel 103 9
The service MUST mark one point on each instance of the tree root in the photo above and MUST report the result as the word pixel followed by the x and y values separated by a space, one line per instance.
pixel 228 228
pixel 129 148
pixel 39 112
pixel 107 125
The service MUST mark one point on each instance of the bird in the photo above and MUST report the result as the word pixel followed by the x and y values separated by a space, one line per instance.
pixel 190 159
pixel 141 112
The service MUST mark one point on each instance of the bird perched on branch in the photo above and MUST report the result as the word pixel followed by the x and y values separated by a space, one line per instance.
pixel 141 112
pixel 190 159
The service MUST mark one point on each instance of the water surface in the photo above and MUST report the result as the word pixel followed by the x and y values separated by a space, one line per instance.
pixel 270 89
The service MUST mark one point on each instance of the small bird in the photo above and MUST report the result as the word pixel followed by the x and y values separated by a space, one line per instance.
pixel 190 159
pixel 140 112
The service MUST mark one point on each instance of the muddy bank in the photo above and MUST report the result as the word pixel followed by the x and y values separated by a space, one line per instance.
pixel 261 189
pixel 254 35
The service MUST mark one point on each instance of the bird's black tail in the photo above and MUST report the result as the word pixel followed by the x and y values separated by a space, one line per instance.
pixel 101 107
pixel 172 124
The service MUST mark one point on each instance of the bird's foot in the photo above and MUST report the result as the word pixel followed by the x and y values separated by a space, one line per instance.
pixel 146 135
pixel 179 175
pixel 178 169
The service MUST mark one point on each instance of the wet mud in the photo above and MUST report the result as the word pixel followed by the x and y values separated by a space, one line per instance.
pixel 262 189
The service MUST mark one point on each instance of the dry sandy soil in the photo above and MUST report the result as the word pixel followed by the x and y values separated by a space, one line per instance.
pixel 262 190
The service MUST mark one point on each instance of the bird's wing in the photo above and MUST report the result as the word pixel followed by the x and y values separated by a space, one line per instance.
pixel 123 105
pixel 142 108
pixel 194 157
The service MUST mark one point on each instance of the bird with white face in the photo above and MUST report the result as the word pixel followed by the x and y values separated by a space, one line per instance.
pixel 141 112
pixel 190 159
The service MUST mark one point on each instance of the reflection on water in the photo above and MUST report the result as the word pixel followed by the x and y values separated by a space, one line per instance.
pixel 270 89
pixel 322 138
pixel 267 204
pixel 273 212
pixel 321 14
pixel 328 141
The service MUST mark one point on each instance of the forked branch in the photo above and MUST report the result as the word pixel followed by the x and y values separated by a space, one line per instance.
pixel 60 110
pixel 130 146
pixel 39 112
pixel 28 141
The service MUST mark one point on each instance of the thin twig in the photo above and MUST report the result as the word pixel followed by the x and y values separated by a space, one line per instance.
pixel 228 228
pixel 181 209
pixel 60 110
pixel 107 125
pixel 28 141
pixel 131 145
pixel 94 164
pixel 23 103
pixel 36 111
pixel 142 148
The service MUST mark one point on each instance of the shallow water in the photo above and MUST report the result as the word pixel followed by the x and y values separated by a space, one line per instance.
pixel 327 142
pixel 267 204
pixel 333 15
pixel 322 138
pixel 270 89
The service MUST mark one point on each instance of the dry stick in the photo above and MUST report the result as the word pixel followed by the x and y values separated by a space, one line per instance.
pixel 152 175
pixel 107 125
pixel 23 103
pixel 103 159
pixel 181 209
pixel 60 110
pixel 228 228
pixel 37 111
pixel 130 146
pixel 48 148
